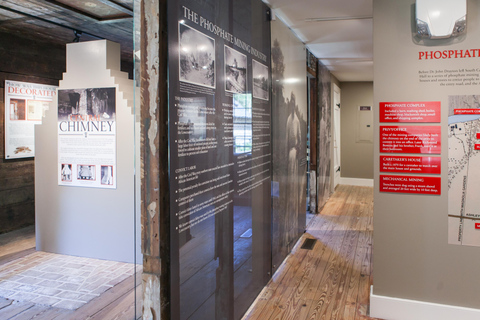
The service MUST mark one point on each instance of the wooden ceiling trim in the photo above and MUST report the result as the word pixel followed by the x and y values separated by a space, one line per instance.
pixel 115 20
pixel 49 21
pixel 39 20
pixel 128 13
pixel 117 6
pixel 64 6
pixel 28 6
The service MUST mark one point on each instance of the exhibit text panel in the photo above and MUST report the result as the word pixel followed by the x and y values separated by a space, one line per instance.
pixel 220 156
pixel 410 184
pixel 25 106
pixel 87 138
pixel 408 164
pixel 410 139
pixel 417 112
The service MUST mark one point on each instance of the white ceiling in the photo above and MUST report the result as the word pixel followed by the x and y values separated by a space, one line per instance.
pixel 338 32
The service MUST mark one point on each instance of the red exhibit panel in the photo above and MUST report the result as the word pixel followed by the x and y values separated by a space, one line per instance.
pixel 424 111
pixel 477 226
pixel 466 111
pixel 477 146
pixel 410 139
pixel 478 135
pixel 430 165
pixel 410 184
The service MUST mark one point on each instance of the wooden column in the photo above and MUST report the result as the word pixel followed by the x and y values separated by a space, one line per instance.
pixel 154 160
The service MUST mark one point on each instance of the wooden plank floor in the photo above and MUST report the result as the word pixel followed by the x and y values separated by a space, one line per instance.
pixel 115 303
pixel 331 281
pixel 16 241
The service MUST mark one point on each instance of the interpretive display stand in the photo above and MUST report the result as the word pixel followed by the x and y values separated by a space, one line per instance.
pixel 84 163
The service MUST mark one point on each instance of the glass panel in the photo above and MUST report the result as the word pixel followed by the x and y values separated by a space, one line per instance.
pixel 220 156
pixel 138 197
pixel 289 121
pixel 79 190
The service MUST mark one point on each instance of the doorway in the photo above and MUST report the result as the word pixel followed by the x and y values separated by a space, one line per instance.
pixel 336 136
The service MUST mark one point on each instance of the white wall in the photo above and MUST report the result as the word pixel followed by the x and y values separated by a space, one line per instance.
pixel 412 258
pixel 88 222
pixel 356 154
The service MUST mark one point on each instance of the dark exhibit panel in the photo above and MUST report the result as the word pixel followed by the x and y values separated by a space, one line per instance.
pixel 289 133
pixel 220 156
pixel 324 134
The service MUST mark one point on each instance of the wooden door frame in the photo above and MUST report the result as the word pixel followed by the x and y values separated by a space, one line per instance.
pixel 155 194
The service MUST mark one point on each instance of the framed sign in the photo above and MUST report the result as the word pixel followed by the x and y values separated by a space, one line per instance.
pixel 87 138
pixel 25 105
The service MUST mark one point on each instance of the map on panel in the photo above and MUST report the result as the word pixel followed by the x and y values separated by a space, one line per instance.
pixel 464 170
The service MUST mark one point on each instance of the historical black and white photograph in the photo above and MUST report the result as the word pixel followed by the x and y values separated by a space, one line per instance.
pixel 324 137
pixel 66 172
pixel 235 71
pixel 98 103
pixel 85 172
pixel 260 80
pixel 106 175
pixel 197 57
pixel 289 122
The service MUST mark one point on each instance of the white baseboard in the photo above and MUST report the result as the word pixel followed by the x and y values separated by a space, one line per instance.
pixel 356 182
pixel 388 308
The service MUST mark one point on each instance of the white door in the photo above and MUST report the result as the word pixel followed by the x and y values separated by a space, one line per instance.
pixel 336 135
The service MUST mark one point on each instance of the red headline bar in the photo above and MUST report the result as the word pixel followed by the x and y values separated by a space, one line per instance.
pixel 412 111
pixel 408 164
pixel 410 184
pixel 410 139
pixel 466 111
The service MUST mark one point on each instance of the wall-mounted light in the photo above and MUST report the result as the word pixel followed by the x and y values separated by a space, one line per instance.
pixel 441 19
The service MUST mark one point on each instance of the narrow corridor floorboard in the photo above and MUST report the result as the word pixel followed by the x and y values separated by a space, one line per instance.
pixel 333 280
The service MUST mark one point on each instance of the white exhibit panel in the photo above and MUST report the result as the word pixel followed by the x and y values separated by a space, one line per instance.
pixel 85 180
pixel 25 105
pixel 87 138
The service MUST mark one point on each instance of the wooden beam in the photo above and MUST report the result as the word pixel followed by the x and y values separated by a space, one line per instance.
pixel 154 160
pixel 115 20
pixel 67 7
pixel 117 6
pixel 123 9
pixel 48 21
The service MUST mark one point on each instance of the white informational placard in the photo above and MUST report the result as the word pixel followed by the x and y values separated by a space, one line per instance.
pixel 87 138
pixel 25 105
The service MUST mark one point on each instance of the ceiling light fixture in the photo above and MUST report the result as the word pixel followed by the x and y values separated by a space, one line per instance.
pixel 77 34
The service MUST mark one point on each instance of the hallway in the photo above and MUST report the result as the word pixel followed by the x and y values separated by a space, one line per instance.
pixel 331 281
